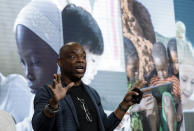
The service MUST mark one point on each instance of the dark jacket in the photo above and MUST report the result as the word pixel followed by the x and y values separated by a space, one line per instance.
pixel 66 119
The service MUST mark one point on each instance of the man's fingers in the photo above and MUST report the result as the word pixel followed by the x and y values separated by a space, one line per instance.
pixel 54 79
pixel 147 95
pixel 136 84
pixel 55 76
pixel 145 90
pixel 54 83
pixel 50 87
pixel 141 85
pixel 70 85
pixel 130 93
pixel 59 78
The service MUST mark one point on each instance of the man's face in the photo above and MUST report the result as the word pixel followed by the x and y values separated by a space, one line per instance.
pixel 175 63
pixel 73 62
pixel 37 57
pixel 162 68
pixel 132 68
pixel 186 81
pixel 92 64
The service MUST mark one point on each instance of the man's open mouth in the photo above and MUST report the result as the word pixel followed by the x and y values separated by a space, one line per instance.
pixel 80 69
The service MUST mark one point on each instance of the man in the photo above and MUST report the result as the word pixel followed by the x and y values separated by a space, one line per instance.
pixel 76 106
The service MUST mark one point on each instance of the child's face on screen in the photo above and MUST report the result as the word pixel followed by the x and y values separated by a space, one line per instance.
pixel 187 81
pixel 162 67
pixel 132 68
pixel 174 57
pixel 38 58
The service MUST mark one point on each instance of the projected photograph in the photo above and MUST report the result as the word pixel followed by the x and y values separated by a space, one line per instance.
pixel 33 31
pixel 151 54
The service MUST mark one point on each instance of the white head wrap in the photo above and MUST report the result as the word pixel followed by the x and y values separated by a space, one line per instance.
pixel 44 19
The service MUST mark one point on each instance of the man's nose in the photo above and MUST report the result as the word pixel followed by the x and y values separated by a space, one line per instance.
pixel 80 59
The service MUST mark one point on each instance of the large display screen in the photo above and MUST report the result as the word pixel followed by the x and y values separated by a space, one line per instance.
pixel 125 41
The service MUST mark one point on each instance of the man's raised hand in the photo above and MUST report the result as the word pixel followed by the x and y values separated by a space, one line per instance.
pixel 128 99
pixel 59 92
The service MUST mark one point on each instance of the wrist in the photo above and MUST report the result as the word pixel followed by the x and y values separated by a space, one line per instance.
pixel 53 104
pixel 125 104
pixel 50 110
pixel 121 111
pixel 123 107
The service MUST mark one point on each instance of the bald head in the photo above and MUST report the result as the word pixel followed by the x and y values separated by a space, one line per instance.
pixel 67 47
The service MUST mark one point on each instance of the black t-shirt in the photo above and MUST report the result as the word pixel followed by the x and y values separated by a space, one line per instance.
pixel 86 112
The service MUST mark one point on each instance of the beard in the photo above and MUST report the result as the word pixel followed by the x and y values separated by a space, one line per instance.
pixel 70 75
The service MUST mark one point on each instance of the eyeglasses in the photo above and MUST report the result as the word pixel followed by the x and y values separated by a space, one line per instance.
pixel 83 106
